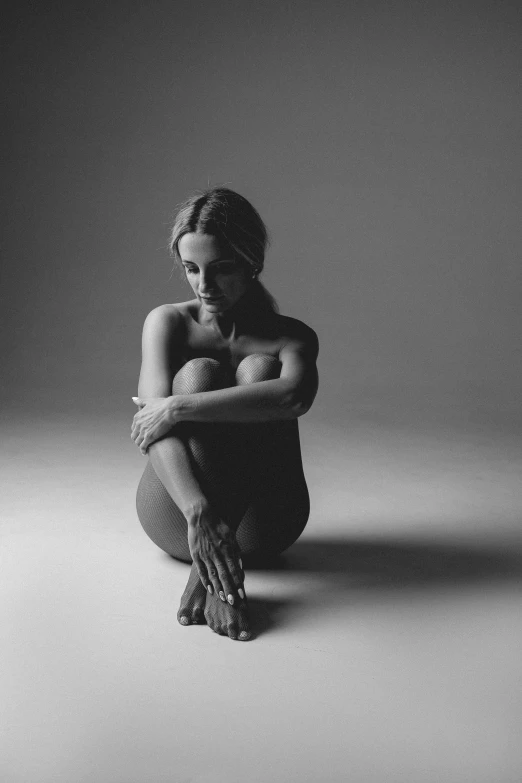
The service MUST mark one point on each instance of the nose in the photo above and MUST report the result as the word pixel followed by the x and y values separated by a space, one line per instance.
pixel 206 284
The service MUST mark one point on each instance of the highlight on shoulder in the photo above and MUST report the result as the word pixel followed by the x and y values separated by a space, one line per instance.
pixel 164 319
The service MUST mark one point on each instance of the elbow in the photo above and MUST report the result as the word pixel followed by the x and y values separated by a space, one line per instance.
pixel 300 409
pixel 296 406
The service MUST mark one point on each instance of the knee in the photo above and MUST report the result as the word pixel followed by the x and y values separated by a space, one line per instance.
pixel 258 367
pixel 201 374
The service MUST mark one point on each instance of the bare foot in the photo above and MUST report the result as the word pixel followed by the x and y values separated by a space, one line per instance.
pixel 227 620
pixel 192 605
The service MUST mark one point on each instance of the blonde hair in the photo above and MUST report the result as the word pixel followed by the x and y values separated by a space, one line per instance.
pixel 237 226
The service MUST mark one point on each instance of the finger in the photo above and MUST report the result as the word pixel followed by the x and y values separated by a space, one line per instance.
pixel 214 579
pixel 142 444
pixel 234 563
pixel 228 585
pixel 235 573
pixel 202 571
pixel 241 569
pixel 145 443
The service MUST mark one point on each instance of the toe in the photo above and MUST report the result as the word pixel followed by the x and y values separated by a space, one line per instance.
pixel 232 630
pixel 197 617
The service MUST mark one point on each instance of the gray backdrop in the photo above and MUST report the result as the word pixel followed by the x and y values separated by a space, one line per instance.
pixel 380 142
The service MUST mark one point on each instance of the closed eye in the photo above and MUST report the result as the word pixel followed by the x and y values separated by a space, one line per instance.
pixel 222 268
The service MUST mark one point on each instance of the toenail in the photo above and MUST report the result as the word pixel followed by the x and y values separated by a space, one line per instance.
pixel 230 599
pixel 184 620
pixel 244 635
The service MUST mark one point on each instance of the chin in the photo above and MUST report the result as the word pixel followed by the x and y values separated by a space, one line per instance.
pixel 215 307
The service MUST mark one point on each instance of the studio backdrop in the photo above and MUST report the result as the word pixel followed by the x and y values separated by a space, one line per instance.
pixel 379 141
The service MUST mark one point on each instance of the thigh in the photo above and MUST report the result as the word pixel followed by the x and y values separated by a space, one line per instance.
pixel 160 517
pixel 274 520
pixel 278 502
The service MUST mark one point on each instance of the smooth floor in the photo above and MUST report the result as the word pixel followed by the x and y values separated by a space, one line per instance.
pixel 389 636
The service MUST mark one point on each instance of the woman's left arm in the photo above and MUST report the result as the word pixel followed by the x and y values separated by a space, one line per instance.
pixel 286 397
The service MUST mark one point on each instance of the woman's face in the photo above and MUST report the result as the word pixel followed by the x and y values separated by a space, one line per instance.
pixel 218 281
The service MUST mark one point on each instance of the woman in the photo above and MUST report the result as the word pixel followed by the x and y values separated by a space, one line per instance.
pixel 223 380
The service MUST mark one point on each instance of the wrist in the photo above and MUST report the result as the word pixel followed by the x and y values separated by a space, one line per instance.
pixel 180 406
pixel 195 510
pixel 174 409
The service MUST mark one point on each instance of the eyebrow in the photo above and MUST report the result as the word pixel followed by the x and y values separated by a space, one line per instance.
pixel 214 261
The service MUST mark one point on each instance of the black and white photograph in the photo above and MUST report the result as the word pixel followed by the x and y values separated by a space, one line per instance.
pixel 261 420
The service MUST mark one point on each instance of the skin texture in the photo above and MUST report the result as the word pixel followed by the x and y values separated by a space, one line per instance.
pixel 217 324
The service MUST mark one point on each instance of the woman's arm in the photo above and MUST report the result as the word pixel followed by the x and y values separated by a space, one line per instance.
pixel 286 397
pixel 159 364
pixel 211 542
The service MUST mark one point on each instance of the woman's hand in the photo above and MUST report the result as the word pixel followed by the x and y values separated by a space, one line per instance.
pixel 215 553
pixel 154 419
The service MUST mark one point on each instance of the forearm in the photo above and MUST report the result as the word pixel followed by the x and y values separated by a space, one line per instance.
pixel 272 400
pixel 171 461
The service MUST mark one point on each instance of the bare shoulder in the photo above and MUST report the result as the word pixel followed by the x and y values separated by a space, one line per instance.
pixel 295 331
pixel 166 318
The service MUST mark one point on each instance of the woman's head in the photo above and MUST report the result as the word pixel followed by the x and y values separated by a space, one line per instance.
pixel 223 224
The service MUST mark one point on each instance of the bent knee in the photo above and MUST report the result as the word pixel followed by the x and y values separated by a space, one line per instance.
pixel 258 367
pixel 200 374
pixel 201 363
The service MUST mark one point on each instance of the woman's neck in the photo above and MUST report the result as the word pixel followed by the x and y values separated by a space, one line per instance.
pixel 244 315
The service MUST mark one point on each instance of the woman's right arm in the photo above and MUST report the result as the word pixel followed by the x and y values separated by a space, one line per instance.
pixel 212 544
pixel 160 362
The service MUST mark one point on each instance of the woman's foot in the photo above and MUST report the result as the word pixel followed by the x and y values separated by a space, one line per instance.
pixel 227 620
pixel 192 605
pixel 197 607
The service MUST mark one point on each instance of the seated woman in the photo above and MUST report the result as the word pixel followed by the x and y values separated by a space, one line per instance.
pixel 223 380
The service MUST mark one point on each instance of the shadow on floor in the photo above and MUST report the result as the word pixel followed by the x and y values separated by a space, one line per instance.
pixel 395 564
pixel 375 569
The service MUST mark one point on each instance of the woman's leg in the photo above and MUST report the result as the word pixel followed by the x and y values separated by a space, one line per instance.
pixel 278 502
pixel 253 475
pixel 212 451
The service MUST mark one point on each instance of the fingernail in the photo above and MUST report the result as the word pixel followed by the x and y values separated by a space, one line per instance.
pixel 241 593
pixel 240 563
pixel 210 589
pixel 222 595
pixel 230 599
